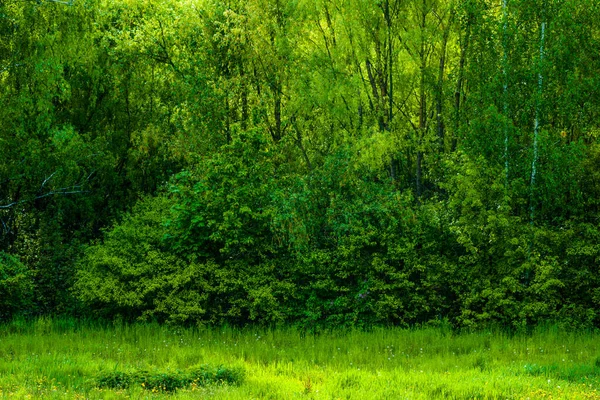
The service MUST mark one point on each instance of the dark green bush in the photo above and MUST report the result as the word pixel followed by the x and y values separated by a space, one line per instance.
pixel 243 239
pixel 129 274
pixel 215 261
pixel 115 380
pixel 16 287
pixel 171 381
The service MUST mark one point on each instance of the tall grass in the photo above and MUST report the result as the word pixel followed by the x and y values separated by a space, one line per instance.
pixel 64 358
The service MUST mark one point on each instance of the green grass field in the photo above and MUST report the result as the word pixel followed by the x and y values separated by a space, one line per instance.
pixel 68 359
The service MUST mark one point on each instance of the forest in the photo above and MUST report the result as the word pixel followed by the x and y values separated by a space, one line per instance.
pixel 304 163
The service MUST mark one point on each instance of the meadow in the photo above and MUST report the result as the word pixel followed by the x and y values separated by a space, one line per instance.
pixel 69 359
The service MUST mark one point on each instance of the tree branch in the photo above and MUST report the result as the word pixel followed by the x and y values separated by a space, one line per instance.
pixel 67 190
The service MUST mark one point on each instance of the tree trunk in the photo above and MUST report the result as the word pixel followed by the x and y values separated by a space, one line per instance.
pixel 422 105
pixel 536 124
pixel 505 90
pixel 440 85
pixel 459 83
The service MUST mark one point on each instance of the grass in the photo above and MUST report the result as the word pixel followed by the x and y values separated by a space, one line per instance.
pixel 67 359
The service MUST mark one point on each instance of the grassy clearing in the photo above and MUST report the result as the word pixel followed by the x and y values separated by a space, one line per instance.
pixel 58 359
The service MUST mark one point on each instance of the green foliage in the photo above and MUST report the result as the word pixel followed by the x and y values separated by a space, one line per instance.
pixel 330 163
pixel 222 207
pixel 221 221
pixel 128 273
pixel 336 247
pixel 16 287
pixel 171 381
pixel 352 242
pixel 207 277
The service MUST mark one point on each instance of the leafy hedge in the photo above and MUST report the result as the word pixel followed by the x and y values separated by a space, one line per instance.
pixel 241 239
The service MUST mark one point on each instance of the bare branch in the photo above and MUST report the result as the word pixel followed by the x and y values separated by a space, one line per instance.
pixel 9 205
pixel 47 179
pixel 75 189
pixel 71 190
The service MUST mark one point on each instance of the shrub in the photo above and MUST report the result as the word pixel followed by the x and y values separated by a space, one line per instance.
pixel 128 273
pixel 16 287
pixel 171 381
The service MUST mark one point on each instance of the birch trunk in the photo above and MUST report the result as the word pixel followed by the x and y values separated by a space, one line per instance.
pixel 536 124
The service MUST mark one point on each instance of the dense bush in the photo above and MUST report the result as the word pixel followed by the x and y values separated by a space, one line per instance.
pixel 128 273
pixel 16 287
pixel 212 262
pixel 241 239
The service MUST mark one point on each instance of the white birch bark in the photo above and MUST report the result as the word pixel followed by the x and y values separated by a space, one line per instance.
pixel 536 124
